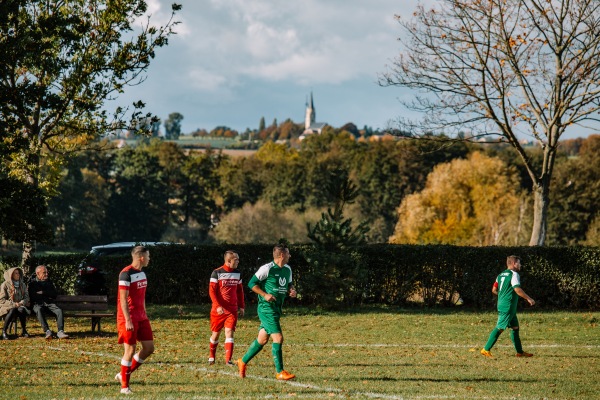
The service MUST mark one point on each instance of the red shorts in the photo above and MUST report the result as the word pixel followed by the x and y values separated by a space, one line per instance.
pixel 142 331
pixel 227 320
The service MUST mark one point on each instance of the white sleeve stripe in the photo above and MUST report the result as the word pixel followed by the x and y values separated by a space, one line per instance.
pixel 124 283
pixel 514 281
pixel 214 280
pixel 263 272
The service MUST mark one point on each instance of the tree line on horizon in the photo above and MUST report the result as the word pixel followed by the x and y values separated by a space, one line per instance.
pixel 408 191
pixel 287 130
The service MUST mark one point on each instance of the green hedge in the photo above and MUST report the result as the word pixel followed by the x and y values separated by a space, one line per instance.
pixel 558 278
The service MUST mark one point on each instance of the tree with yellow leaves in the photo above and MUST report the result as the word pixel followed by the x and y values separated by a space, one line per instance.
pixel 472 202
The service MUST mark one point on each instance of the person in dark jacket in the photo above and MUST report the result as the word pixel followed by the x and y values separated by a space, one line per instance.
pixel 42 294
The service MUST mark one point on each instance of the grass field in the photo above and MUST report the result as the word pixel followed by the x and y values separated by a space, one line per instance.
pixel 373 353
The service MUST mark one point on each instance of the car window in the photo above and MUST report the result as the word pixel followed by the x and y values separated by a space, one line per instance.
pixel 114 251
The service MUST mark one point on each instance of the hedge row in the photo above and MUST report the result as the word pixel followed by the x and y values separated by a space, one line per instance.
pixel 558 278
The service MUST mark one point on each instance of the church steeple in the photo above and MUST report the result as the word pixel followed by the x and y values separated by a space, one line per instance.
pixel 311 114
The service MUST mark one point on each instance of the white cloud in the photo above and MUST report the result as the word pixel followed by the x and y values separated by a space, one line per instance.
pixel 233 61
pixel 205 80
pixel 309 42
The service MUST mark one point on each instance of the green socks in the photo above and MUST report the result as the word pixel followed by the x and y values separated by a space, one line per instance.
pixel 253 350
pixel 514 336
pixel 493 338
pixel 277 357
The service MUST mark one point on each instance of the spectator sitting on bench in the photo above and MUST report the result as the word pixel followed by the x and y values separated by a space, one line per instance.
pixel 14 300
pixel 43 296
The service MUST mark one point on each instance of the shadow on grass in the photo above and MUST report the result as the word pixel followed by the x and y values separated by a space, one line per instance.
pixel 428 379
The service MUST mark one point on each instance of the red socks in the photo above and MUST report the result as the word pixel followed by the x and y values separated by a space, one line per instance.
pixel 228 349
pixel 125 373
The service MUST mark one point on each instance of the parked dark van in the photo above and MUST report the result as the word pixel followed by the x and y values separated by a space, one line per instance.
pixel 91 273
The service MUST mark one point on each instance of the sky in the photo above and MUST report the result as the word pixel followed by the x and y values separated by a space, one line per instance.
pixel 235 61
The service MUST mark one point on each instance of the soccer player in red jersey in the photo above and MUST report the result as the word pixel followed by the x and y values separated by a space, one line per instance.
pixel 132 322
pixel 227 295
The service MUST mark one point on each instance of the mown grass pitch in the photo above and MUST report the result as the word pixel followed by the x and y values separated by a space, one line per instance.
pixel 371 353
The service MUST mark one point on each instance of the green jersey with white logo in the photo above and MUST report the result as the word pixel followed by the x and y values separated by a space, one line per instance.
pixel 274 280
pixel 507 281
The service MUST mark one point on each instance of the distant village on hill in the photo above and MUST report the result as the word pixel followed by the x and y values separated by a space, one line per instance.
pixel 286 132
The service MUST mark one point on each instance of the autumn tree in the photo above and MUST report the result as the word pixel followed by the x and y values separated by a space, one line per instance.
pixel 507 69
pixel 59 66
pixel 465 202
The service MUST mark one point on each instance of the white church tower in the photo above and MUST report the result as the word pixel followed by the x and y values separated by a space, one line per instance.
pixel 311 114
pixel 310 126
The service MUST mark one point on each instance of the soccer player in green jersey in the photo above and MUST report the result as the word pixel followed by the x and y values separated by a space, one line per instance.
pixel 508 289
pixel 272 282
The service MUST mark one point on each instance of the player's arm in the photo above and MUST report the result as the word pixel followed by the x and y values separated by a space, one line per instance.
pixel 213 288
pixel 521 293
pixel 123 294
pixel 268 297
pixel 255 287
pixel 495 288
pixel 240 299
pixel 292 291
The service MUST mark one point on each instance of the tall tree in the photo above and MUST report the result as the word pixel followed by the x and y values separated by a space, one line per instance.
pixel 78 212
pixel 196 196
pixel 504 68
pixel 173 126
pixel 63 61
pixel 137 207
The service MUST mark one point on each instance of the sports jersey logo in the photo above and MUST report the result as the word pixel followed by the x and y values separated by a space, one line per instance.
pixel 142 284
pixel 282 281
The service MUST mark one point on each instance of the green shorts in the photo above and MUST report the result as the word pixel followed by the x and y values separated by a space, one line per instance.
pixel 507 320
pixel 269 322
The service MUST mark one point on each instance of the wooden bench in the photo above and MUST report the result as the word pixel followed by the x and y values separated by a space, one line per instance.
pixel 85 306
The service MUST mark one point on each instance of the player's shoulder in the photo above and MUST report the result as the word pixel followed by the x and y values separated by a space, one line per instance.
pixel 127 270
pixel 267 266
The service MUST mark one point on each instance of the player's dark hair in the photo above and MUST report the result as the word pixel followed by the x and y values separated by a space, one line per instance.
pixel 510 260
pixel 279 249
pixel 137 250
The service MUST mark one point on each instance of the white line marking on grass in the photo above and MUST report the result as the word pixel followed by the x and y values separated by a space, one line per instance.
pixel 329 390
pixel 449 346
pixel 260 378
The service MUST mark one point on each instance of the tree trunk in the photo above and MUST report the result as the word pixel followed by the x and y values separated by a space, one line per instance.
pixel 27 255
pixel 32 178
pixel 541 200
